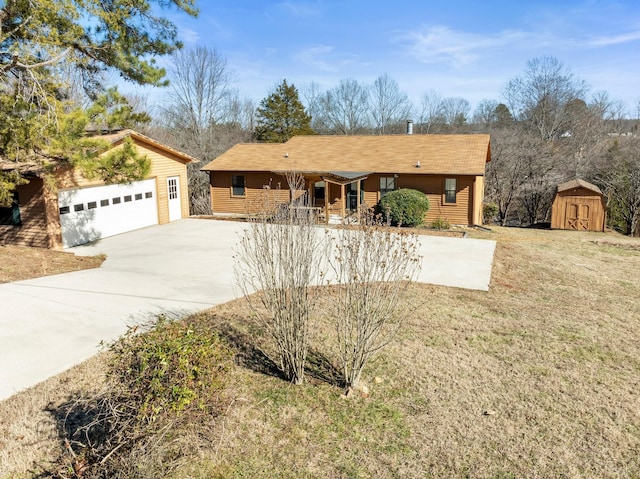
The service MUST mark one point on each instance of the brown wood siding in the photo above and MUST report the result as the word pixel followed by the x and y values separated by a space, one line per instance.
pixel 256 183
pixel 460 213
pixel 564 203
pixel 464 211
pixel 33 231
pixel 371 191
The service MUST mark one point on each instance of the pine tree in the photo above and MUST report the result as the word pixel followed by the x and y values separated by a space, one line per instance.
pixel 281 115
pixel 46 46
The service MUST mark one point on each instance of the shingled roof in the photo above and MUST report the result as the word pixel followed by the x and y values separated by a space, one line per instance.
pixel 435 154
pixel 115 137
pixel 577 183
pixel 41 162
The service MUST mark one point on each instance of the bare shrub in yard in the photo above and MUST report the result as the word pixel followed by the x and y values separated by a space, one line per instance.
pixel 161 386
pixel 373 268
pixel 278 258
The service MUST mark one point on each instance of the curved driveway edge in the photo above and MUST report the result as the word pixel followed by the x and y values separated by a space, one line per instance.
pixel 50 324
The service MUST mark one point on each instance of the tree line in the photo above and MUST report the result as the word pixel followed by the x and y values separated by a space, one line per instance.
pixel 546 126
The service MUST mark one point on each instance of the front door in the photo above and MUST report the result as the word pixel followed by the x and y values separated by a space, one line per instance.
pixel 173 189
pixel 352 195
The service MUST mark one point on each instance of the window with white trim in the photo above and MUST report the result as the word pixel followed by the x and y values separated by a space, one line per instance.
pixel 450 190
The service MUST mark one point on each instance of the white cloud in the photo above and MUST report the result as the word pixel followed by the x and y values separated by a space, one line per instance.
pixel 300 9
pixel 605 41
pixel 441 44
pixel 189 35
pixel 317 57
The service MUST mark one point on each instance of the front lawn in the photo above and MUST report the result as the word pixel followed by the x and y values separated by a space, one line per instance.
pixel 537 378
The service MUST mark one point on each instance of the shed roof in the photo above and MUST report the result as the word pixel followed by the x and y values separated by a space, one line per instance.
pixel 577 183
pixel 414 154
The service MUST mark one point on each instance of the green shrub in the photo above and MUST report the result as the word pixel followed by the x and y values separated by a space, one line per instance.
pixel 172 368
pixel 440 223
pixel 163 389
pixel 404 207
pixel 489 212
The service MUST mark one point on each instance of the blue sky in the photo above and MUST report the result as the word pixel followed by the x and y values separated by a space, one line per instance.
pixel 457 48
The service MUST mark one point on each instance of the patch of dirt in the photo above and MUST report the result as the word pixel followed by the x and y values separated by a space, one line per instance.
pixel 18 262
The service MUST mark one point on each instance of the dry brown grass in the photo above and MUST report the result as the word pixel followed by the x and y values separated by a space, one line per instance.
pixel 537 378
pixel 18 262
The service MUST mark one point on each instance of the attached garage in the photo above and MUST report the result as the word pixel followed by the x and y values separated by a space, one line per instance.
pixel 78 210
pixel 88 214
pixel 578 205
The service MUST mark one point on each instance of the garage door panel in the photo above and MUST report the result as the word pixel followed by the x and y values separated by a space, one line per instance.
pixel 88 214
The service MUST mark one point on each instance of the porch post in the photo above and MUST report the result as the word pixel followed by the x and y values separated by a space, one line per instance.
pixel 326 201
pixel 342 202
pixel 358 199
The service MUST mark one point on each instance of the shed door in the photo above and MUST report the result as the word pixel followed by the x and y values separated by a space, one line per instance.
pixel 579 215
pixel 91 213
pixel 173 189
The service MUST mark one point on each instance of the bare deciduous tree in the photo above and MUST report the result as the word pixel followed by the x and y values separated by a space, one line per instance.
pixel 277 260
pixel 373 268
pixel 431 117
pixel 485 112
pixel 312 97
pixel 204 116
pixel 344 109
pixel 200 90
pixel 619 177
pixel 389 105
pixel 512 152
pixel 455 111
pixel 539 97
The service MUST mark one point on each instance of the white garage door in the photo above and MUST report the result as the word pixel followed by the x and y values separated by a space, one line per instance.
pixel 88 214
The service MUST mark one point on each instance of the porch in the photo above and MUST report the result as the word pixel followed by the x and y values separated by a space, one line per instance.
pixel 337 196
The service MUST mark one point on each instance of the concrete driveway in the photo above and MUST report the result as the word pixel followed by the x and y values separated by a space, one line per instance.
pixel 50 324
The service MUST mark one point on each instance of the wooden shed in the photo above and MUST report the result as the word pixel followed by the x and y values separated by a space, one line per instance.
pixel 578 205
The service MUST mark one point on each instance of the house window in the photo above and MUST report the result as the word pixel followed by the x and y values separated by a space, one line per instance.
pixel 78 207
pixel 65 210
pixel 138 196
pixel 104 202
pixel 10 215
pixel 127 198
pixel 148 194
pixel 387 185
pixel 173 188
pixel 450 190
pixel 237 185
pixel 92 205
pixel 116 200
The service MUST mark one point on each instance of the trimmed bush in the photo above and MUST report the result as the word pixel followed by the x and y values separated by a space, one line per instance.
pixel 404 207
